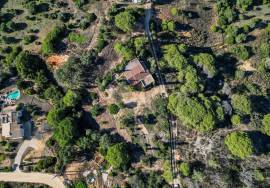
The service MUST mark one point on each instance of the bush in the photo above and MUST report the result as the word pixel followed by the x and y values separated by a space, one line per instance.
pixel 200 113
pixel 184 169
pixel 53 37
pixel 125 21
pixel 123 50
pixel 241 104
pixel 77 38
pixel 239 144
pixel 207 61
pixel 236 120
pixel 117 156
pixel 266 124
pixel 29 39
pixel 113 109
pixel 174 11
pixel 71 99
pixel 167 173
pixel 241 38
pixel 241 52
pixel 2 157
pixel 80 184
pixel 97 110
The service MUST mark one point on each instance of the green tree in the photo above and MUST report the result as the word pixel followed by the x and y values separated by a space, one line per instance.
pixel 123 50
pixel 236 120
pixel 167 173
pixel 174 11
pixel 28 65
pixel 53 93
pixel 71 98
pixel 113 108
pixel 139 43
pixel 96 110
pixel 244 4
pixel 55 116
pixel 200 113
pixel 117 156
pixel 184 169
pixel 72 74
pixel 266 124
pixel 80 184
pixel 51 40
pixel 65 132
pixel 125 21
pixel 241 104
pixel 241 52
pixel 239 144
pixel 207 61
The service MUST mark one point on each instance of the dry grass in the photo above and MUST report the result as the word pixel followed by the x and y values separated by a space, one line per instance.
pixel 55 61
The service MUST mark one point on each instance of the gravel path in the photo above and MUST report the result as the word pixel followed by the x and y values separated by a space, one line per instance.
pixel 49 179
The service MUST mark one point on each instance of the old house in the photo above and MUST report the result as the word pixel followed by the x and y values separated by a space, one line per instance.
pixel 137 74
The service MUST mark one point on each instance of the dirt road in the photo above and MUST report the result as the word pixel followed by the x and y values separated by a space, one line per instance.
pixel 48 179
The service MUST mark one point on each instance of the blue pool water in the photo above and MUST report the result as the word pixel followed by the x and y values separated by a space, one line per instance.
pixel 15 95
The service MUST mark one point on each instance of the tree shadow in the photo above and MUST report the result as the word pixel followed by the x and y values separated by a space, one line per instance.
pixel 260 104
pixel 135 151
pixel 182 27
pixel 88 122
pixel 191 14
pixel 250 38
pixel 20 26
pixel 260 141
pixel 226 65
pixel 2 3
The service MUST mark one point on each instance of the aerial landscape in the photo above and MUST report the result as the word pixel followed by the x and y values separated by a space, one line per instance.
pixel 134 93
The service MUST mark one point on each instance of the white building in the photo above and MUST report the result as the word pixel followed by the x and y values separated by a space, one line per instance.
pixel 12 127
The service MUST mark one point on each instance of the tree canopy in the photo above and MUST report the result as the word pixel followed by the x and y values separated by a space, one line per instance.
pixel 117 156
pixel 266 124
pixel 125 21
pixel 207 62
pixel 241 104
pixel 71 99
pixel 200 113
pixel 239 144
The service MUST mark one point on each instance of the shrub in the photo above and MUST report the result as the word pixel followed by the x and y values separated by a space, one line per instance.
pixel 241 104
pixel 241 38
pixel 125 21
pixel 2 157
pixel 167 173
pixel 241 52
pixel 266 124
pixel 29 39
pixel 184 169
pixel 97 110
pixel 53 37
pixel 236 120
pixel 71 99
pixel 258 176
pixel 207 61
pixel 117 156
pixel 239 144
pixel 200 113
pixel 123 50
pixel 174 11
pixel 80 184
pixel 77 38
pixel 113 109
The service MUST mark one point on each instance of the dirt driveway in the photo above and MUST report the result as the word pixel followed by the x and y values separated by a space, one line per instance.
pixel 35 177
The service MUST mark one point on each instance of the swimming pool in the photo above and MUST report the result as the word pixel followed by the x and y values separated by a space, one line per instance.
pixel 15 95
